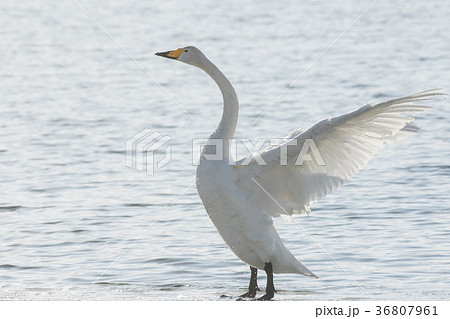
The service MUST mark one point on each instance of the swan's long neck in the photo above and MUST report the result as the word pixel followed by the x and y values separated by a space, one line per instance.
pixel 227 126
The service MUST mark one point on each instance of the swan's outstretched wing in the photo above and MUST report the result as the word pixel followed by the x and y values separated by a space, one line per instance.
pixel 325 156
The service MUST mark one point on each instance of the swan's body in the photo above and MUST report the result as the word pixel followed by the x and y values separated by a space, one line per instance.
pixel 249 233
pixel 241 199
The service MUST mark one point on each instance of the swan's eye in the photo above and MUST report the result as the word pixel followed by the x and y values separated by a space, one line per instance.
pixel 185 50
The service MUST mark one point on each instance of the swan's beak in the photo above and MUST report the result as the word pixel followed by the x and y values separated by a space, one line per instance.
pixel 174 54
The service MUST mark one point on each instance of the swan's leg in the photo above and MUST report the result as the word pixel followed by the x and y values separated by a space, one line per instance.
pixel 270 289
pixel 253 286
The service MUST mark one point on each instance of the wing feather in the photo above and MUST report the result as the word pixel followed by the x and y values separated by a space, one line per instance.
pixel 345 143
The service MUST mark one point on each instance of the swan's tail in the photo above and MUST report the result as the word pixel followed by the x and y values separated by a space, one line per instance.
pixel 285 262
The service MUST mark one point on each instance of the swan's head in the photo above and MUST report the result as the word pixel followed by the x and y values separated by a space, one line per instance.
pixel 189 55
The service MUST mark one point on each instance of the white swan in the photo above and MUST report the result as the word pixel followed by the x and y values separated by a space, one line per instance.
pixel 241 199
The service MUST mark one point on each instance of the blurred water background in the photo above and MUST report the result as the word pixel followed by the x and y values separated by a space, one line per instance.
pixel 70 99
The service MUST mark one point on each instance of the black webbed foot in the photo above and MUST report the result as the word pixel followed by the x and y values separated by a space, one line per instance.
pixel 253 286
pixel 270 289
pixel 266 297
pixel 248 294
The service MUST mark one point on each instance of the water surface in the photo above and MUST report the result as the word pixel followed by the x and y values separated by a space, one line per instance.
pixel 71 98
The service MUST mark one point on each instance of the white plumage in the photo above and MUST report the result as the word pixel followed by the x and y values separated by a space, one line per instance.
pixel 241 199
pixel 345 143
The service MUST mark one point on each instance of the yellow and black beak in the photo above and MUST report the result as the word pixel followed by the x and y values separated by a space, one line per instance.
pixel 174 54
